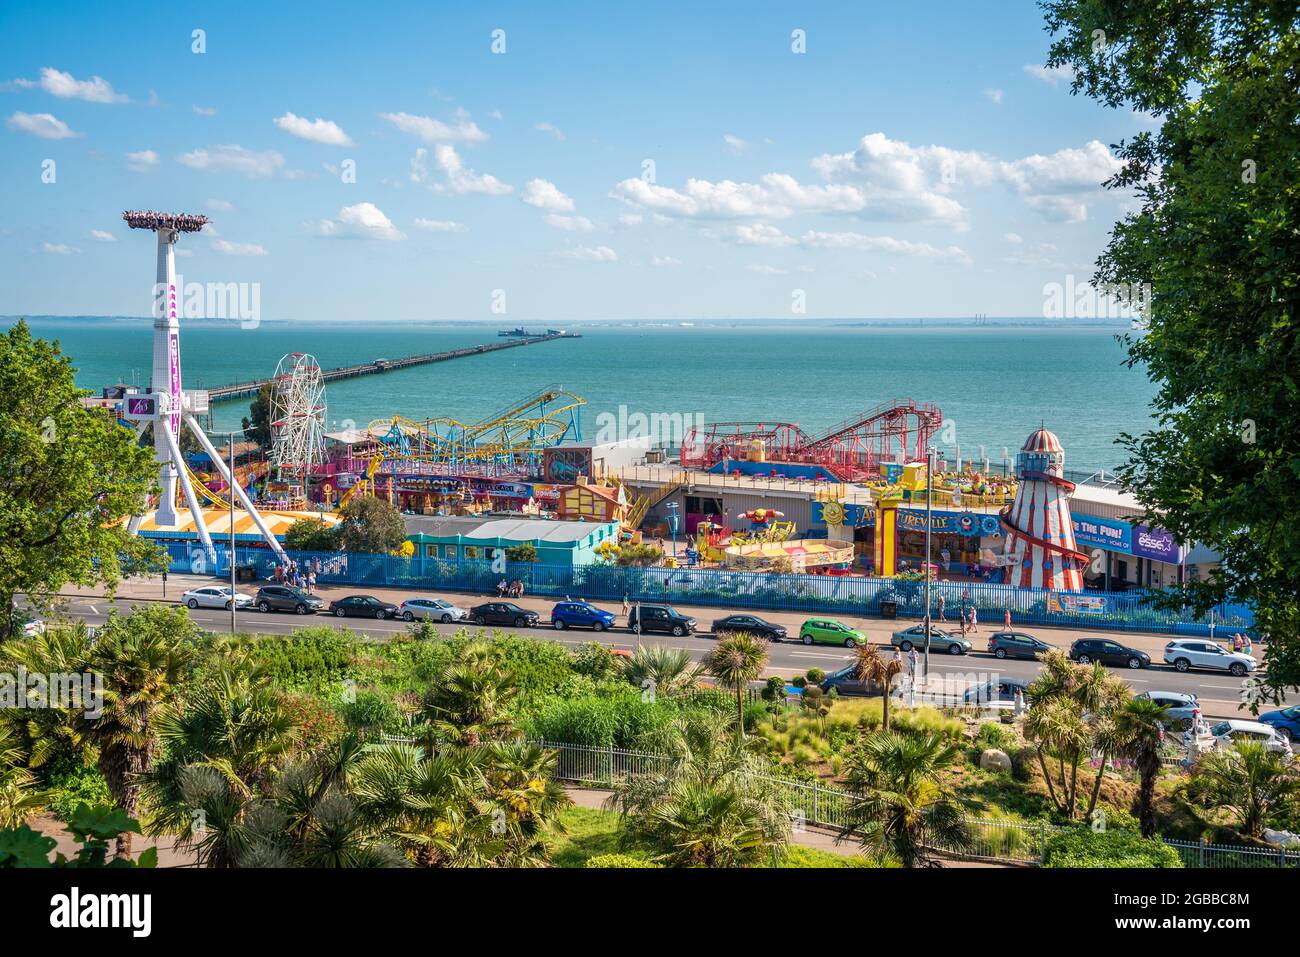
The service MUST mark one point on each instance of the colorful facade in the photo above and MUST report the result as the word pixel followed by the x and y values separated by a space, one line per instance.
pixel 1040 549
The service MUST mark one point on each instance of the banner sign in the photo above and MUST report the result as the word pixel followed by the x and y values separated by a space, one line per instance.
pixel 1103 532
pixel 1155 543
pixel 913 520
pixel 1077 604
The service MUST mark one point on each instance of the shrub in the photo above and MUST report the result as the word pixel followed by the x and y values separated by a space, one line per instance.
pixel 993 735
pixel 774 689
pixel 372 712
pixel 1087 848
pixel 815 676
pixel 76 786
pixel 595 660
pixel 618 860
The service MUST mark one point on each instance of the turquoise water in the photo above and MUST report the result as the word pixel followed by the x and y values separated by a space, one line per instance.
pixel 995 384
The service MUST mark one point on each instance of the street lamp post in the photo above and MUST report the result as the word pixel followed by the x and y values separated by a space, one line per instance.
pixel 672 525
pixel 929 496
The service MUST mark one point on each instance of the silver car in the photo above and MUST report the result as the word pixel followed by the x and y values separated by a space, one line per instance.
pixel 1182 707
pixel 215 596
pixel 431 609
pixel 940 640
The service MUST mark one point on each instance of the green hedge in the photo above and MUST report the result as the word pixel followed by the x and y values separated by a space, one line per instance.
pixel 1087 848
pixel 618 860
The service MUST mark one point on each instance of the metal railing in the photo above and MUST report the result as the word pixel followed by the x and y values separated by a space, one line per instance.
pixel 819 594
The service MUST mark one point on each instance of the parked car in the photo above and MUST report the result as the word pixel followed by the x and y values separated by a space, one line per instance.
pixel 1017 644
pixel 748 623
pixel 1285 721
pixel 503 613
pixel 284 598
pixel 580 614
pixel 661 618
pixel 30 626
pixel 997 692
pixel 1108 652
pixel 363 606
pixel 1185 654
pixel 940 640
pixel 431 609
pixel 1228 733
pixel 828 631
pixel 1183 707
pixel 847 681
pixel 215 596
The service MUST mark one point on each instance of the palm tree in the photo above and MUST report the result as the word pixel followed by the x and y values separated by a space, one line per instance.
pixel 872 666
pixel 665 669
pixel 526 800
pixel 710 825
pixel 236 725
pixel 1140 726
pixel 470 698
pixel 18 795
pixel 143 660
pixel 736 661
pixel 1252 782
pixel 43 734
pixel 905 810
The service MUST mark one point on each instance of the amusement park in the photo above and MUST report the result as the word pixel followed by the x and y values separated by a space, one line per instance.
pixel 871 498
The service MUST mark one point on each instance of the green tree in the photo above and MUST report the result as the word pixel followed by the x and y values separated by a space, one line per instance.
pixel 143 660
pixel 71 477
pixel 257 424
pixel 19 795
pixel 736 661
pixel 90 827
pixel 312 535
pixel 667 670
pixel 470 699
pixel 905 810
pixel 1139 723
pixel 1216 239
pixel 524 552
pixel 1257 786
pixel 872 666
pixel 370 525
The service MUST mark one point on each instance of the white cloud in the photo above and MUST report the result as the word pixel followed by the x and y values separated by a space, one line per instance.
pixel 765 270
pixel 464 130
pixel 594 254
pixel 735 143
pixel 238 249
pixel 440 226
pixel 232 158
pixel 994 95
pixel 101 236
pixel 361 221
pixel 775 196
pixel 67 87
pixel 630 219
pixel 204 110
pixel 549 128
pixel 315 131
pixel 574 224
pixel 665 261
pixel 1014 239
pixel 44 125
pixel 143 161
pixel 1052 76
pixel 495 114
pixel 883 244
pixel 219 205
pixel 544 194
pixel 58 249
pixel 460 179
pixel 760 234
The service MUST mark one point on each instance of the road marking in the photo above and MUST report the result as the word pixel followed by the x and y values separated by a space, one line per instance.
pixel 812 654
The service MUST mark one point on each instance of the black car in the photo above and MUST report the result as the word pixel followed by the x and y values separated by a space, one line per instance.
pixel 503 613
pixel 1016 644
pixel 284 598
pixel 849 681
pixel 752 624
pixel 1108 652
pixel 364 606
pixel 661 618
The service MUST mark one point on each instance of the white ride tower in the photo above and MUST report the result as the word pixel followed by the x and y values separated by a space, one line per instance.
pixel 1040 549
pixel 166 404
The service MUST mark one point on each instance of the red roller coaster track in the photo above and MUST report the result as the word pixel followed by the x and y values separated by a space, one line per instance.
pixel 854 449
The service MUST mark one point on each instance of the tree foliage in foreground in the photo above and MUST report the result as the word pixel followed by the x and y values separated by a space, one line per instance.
pixel 69 476
pixel 1217 237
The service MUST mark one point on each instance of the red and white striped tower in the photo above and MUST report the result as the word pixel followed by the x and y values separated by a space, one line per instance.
pixel 1040 545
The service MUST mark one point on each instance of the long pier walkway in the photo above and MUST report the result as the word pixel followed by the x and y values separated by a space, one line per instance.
pixel 239 390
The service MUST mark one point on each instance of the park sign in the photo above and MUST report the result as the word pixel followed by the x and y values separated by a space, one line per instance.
pixel 1103 532
pixel 1156 544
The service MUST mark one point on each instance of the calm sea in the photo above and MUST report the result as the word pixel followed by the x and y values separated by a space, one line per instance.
pixel 994 384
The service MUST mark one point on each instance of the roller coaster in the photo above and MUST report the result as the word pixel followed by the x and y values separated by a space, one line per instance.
pixel 509 442
pixel 852 450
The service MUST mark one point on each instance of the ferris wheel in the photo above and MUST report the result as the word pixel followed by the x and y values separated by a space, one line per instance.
pixel 297 417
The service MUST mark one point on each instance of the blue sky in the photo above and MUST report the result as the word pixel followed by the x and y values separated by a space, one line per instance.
pixel 616 161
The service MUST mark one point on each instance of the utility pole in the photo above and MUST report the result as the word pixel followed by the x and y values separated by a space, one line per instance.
pixel 231 489
pixel 929 497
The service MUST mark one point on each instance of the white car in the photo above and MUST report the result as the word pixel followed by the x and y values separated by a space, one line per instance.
pixel 215 596
pixel 1183 707
pixel 1228 733
pixel 1186 654
pixel 431 609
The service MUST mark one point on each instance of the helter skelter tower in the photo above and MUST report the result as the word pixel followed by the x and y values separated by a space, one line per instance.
pixel 1040 550
pixel 166 405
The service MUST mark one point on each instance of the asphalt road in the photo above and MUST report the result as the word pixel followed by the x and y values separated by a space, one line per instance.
pixel 1218 693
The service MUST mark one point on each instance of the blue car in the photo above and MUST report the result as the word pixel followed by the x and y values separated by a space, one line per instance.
pixel 580 614
pixel 1285 720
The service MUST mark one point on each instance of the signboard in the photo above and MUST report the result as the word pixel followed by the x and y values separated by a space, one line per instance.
pixel 1104 532
pixel 1156 544
pixel 141 407
pixel 910 519
pixel 1077 604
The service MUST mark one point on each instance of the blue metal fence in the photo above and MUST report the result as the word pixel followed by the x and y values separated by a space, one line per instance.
pixel 821 594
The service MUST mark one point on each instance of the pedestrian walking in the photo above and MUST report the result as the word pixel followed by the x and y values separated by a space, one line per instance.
pixel 974 621
pixel 1236 642
pixel 911 661
pixel 1247 645
pixel 625 605
pixel 1006 619
pixel 941 617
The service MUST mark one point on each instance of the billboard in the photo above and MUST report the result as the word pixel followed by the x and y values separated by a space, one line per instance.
pixel 1103 532
pixel 1156 544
